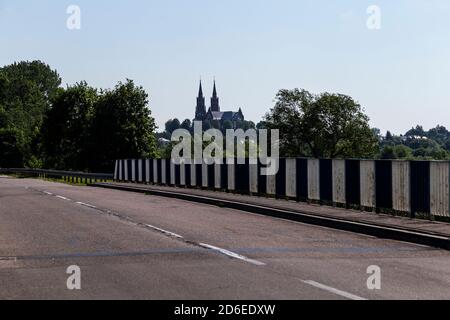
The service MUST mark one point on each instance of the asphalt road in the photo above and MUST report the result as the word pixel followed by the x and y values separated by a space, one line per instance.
pixel 133 246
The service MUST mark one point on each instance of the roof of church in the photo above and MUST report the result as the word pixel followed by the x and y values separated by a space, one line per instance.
pixel 224 116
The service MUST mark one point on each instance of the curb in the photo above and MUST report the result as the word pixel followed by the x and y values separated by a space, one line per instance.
pixel 384 232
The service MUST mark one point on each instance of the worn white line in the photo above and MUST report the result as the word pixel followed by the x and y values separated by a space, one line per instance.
pixel 333 290
pixel 86 205
pixel 169 233
pixel 48 193
pixel 63 198
pixel 232 254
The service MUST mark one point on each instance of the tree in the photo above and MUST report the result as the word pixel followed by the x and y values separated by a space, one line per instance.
pixel 248 125
pixel 227 125
pixel 402 152
pixel 261 125
pixel 417 131
pixel 66 130
pixel 26 89
pixel 186 125
pixel 387 153
pixel 11 155
pixel 322 126
pixel 377 134
pixel 172 125
pixel 439 134
pixel 447 145
pixel 388 136
pixel 35 74
pixel 396 152
pixel 3 117
pixel 122 127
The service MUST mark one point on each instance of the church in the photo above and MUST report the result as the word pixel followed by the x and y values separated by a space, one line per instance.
pixel 214 113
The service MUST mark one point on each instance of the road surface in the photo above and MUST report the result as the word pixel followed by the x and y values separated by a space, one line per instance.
pixel 134 246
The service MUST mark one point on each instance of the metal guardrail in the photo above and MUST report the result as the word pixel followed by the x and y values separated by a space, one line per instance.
pixel 69 176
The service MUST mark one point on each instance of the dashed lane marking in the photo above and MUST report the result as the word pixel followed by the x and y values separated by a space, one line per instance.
pixel 63 198
pixel 232 254
pixel 168 233
pixel 86 205
pixel 165 232
pixel 333 290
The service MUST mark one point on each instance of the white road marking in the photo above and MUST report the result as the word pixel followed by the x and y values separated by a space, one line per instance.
pixel 86 205
pixel 48 193
pixel 174 235
pixel 171 234
pixel 232 254
pixel 64 198
pixel 333 290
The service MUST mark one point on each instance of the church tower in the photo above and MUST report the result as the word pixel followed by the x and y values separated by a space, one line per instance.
pixel 215 100
pixel 200 110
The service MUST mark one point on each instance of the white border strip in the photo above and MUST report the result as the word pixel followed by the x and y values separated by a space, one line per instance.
pixel 232 254
pixel 171 234
pixel 63 198
pixel 333 290
pixel 86 205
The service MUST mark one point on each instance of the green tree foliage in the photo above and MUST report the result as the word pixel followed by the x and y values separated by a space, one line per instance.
pixel 66 133
pixel 396 152
pixel 122 126
pixel 388 136
pixel 87 130
pixel 322 126
pixel 227 125
pixel 10 155
pixel 417 131
pixel 77 128
pixel 186 125
pixel 172 125
pixel 26 89
pixel 387 153
pixel 422 145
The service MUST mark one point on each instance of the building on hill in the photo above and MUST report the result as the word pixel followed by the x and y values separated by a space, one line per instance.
pixel 214 112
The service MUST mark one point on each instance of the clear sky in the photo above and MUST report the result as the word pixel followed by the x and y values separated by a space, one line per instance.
pixel 400 73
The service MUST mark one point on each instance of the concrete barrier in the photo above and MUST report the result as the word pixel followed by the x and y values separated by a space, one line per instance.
pixel 439 189
pixel 339 194
pixel 421 187
pixel 367 183
pixel 401 186
pixel 313 180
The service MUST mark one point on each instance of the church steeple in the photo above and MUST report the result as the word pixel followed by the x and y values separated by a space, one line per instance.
pixel 200 110
pixel 200 90
pixel 215 100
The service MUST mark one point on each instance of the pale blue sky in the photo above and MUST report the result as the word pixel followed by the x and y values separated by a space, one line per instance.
pixel 400 74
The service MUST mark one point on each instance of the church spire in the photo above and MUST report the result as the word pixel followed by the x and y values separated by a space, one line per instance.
pixel 200 110
pixel 214 90
pixel 215 100
pixel 200 90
